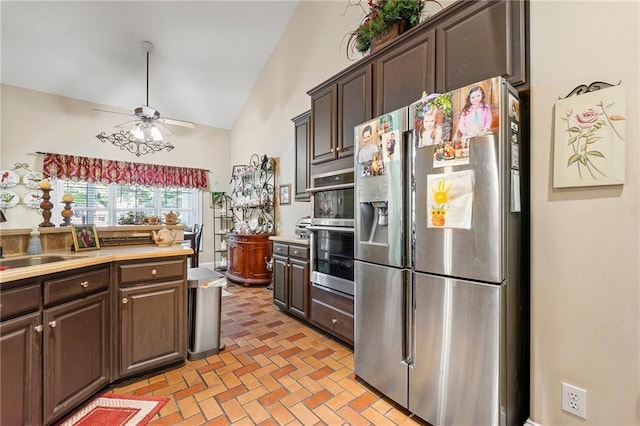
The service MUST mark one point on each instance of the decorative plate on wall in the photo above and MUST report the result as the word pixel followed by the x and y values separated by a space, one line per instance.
pixel 32 179
pixel 8 199
pixel 32 199
pixel 8 179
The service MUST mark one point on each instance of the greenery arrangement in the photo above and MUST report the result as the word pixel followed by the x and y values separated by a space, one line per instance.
pixel 382 16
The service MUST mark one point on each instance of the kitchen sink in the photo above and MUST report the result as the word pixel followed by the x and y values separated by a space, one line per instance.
pixel 32 261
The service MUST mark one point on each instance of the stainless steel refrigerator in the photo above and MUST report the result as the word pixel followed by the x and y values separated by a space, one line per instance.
pixel 439 302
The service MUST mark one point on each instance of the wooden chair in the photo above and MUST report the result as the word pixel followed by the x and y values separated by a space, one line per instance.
pixel 195 245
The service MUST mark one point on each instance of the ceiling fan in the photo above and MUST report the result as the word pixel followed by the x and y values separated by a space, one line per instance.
pixel 146 116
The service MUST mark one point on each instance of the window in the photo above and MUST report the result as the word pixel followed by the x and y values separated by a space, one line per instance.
pixel 112 204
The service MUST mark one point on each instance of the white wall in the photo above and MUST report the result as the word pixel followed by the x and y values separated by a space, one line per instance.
pixel 35 121
pixel 308 53
pixel 585 285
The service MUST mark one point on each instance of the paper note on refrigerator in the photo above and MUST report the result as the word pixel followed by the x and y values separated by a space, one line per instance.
pixel 450 200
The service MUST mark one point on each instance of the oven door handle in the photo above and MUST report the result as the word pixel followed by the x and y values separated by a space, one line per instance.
pixel 331 187
pixel 331 228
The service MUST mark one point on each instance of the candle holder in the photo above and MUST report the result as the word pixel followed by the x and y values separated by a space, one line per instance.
pixel 66 213
pixel 46 207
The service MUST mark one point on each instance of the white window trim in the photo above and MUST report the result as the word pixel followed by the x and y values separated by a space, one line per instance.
pixel 59 188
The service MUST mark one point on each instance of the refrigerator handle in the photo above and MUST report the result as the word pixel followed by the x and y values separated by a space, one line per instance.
pixel 408 326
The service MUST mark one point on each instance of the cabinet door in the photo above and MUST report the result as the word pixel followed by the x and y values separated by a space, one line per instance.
pixel 280 281
pixel 354 107
pixel 323 125
pixel 76 353
pixel 255 262
pixel 405 72
pixel 152 326
pixel 302 124
pixel 299 287
pixel 20 371
pixel 483 41
pixel 235 258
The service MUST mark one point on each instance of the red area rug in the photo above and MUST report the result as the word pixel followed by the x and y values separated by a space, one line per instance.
pixel 111 409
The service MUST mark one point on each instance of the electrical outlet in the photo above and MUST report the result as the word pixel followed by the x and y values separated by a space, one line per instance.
pixel 574 400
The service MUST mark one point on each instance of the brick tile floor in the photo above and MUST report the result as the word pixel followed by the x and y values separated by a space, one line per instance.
pixel 275 370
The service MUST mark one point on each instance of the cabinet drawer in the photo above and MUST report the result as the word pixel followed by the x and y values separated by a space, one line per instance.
pixel 299 252
pixel 150 271
pixel 336 321
pixel 281 249
pixel 343 303
pixel 75 285
pixel 19 300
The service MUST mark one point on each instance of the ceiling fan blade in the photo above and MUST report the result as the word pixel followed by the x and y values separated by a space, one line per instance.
pixel 165 130
pixel 177 123
pixel 127 124
pixel 112 112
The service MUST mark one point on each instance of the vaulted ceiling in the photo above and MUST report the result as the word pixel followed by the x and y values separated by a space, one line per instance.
pixel 207 54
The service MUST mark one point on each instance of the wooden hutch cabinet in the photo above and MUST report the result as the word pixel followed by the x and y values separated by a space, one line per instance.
pixel 247 256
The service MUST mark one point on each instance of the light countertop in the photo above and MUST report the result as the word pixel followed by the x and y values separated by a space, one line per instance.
pixel 289 239
pixel 89 258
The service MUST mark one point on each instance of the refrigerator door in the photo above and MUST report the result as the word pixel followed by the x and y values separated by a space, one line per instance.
pixel 457 374
pixel 473 253
pixel 380 183
pixel 379 329
pixel 468 245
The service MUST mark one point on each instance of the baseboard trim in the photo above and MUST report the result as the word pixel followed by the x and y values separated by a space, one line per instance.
pixel 530 422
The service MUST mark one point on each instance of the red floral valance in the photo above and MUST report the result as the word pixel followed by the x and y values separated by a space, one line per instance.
pixel 122 172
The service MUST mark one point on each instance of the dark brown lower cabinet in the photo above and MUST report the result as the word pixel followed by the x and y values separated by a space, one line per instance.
pixel 76 353
pixel 333 312
pixel 152 326
pixel 21 371
pixel 291 269
pixel 58 347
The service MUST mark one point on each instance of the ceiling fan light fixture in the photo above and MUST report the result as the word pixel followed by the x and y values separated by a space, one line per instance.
pixel 145 137
pixel 146 132
pixel 139 143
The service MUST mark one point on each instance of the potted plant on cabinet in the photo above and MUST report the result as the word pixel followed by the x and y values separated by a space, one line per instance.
pixel 385 20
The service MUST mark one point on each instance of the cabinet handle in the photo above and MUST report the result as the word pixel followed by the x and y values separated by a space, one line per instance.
pixel 331 149
pixel 295 252
pixel 53 324
pixel 154 271
pixel 84 284
pixel 338 149
pixel 38 328
pixel 124 300
pixel 333 320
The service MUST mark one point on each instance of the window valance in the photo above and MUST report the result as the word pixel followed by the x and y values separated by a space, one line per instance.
pixel 122 172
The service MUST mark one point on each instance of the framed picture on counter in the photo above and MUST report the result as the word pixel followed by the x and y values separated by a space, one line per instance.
pixel 285 191
pixel 85 237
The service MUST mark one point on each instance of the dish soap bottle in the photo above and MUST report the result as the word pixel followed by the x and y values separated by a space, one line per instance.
pixel 35 246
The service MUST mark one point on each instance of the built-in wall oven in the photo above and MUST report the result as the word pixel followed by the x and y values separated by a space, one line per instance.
pixel 332 230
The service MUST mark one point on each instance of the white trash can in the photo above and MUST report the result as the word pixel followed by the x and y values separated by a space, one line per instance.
pixel 204 310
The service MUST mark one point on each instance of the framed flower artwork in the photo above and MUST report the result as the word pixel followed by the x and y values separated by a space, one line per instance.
pixel 285 191
pixel 589 139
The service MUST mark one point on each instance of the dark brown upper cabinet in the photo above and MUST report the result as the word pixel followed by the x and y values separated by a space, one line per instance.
pixel 335 109
pixel 407 70
pixel 302 133
pixel 481 41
